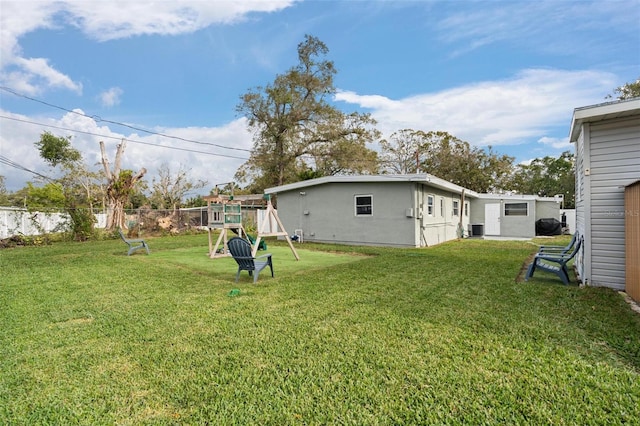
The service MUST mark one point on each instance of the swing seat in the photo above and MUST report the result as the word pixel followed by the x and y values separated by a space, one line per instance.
pixel 252 240
pixel 134 244
pixel 240 249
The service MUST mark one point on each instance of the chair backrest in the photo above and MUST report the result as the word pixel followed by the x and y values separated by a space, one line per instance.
pixel 240 249
pixel 576 248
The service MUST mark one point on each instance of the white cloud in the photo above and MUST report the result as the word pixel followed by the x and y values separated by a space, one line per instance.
pixel 102 21
pixel 114 20
pixel 37 70
pixel 503 112
pixel 557 143
pixel 111 97
pixel 204 161
pixel 538 21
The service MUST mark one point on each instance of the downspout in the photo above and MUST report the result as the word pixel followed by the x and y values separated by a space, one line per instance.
pixel 461 213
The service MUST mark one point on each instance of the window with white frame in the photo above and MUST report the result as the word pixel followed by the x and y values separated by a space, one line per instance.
pixel 516 209
pixel 430 204
pixel 441 207
pixel 466 208
pixel 456 208
pixel 364 205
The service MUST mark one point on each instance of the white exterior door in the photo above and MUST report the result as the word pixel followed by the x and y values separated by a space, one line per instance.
pixel 492 219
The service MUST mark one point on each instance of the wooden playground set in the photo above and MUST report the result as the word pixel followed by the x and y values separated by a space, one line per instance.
pixel 225 215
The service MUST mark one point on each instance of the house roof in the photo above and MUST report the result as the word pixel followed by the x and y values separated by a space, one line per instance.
pixel 423 178
pixel 245 200
pixel 606 111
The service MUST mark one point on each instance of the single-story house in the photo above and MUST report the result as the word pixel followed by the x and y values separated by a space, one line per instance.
pixel 415 210
pixel 511 215
pixel 607 146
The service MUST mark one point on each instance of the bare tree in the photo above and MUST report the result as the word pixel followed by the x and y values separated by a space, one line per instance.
pixel 120 185
pixel 169 189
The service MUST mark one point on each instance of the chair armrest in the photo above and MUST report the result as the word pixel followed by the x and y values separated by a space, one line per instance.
pixel 264 255
pixel 244 257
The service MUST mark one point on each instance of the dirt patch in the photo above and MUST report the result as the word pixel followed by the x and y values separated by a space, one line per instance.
pixel 634 305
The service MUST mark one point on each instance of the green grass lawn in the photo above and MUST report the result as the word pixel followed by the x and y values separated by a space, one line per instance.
pixel 346 335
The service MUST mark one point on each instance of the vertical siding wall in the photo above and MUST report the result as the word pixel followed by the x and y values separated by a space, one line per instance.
pixel 632 224
pixel 615 163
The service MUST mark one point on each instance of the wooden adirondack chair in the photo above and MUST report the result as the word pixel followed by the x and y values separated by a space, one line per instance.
pixel 240 249
pixel 555 263
pixel 134 244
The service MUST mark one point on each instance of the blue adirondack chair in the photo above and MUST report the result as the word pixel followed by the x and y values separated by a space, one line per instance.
pixel 555 263
pixel 240 249
pixel 134 244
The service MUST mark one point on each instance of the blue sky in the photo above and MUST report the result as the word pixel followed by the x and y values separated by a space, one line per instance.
pixel 501 73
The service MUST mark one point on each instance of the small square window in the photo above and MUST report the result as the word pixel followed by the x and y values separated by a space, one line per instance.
pixel 364 205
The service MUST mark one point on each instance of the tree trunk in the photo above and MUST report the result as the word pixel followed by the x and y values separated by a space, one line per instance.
pixel 118 190
pixel 115 214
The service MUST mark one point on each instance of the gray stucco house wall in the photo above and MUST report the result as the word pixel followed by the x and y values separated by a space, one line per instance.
pixel 383 210
pixel 607 146
pixel 512 215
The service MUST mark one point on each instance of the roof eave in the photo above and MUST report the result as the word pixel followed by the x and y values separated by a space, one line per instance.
pixel 599 112
pixel 418 178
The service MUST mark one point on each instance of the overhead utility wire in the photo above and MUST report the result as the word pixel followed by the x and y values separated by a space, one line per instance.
pixel 118 138
pixel 99 119
pixel 6 161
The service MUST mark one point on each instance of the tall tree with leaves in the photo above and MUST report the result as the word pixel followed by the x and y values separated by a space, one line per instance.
pixel 401 153
pixel 447 157
pixel 120 186
pixel 75 189
pixel 296 128
pixel 457 161
pixel 627 91
pixel 547 177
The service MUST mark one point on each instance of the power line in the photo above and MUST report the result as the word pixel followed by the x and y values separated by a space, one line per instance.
pixel 8 162
pixel 99 119
pixel 118 138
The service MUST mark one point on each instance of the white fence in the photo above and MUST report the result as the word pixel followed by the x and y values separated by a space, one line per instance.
pixel 14 221
pixel 19 221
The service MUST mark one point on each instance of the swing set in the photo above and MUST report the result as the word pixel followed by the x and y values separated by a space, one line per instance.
pixel 225 214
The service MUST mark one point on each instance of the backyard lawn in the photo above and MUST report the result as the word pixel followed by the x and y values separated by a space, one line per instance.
pixel 346 335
